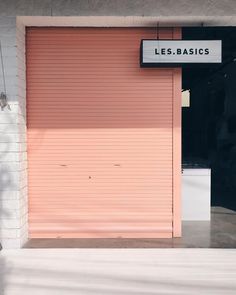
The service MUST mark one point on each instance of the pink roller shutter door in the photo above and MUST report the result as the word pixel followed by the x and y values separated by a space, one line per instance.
pixel 103 135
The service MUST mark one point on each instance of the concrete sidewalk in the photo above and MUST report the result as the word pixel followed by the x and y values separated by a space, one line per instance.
pixel 117 271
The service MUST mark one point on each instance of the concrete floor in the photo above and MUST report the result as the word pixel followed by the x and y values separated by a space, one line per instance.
pixel 117 271
pixel 220 232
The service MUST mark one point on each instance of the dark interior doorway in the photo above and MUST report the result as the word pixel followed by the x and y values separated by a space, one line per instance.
pixel 209 124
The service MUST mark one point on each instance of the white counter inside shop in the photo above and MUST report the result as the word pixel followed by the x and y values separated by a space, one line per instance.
pixel 196 194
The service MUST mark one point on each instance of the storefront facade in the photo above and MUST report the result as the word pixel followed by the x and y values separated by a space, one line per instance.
pixel 92 144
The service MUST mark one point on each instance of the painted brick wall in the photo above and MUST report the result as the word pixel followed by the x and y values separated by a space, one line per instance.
pixel 13 174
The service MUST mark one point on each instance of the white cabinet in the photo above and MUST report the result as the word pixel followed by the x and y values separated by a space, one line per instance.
pixel 196 194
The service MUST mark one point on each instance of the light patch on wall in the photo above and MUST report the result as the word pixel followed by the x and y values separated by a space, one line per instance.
pixel 186 98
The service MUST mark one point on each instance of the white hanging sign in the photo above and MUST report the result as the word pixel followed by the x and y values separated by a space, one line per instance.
pixel 161 53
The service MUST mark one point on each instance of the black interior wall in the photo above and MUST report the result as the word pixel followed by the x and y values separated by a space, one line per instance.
pixel 209 125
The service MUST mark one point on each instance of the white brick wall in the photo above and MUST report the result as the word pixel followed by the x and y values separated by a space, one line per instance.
pixel 13 148
pixel 21 92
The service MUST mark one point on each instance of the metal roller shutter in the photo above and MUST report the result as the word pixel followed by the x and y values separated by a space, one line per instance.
pixel 100 135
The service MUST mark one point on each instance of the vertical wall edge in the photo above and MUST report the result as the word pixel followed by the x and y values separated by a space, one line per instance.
pixel 177 88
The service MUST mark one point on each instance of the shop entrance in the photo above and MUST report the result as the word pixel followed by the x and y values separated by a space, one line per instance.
pixel 209 123
pixel 208 143
pixel 209 130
